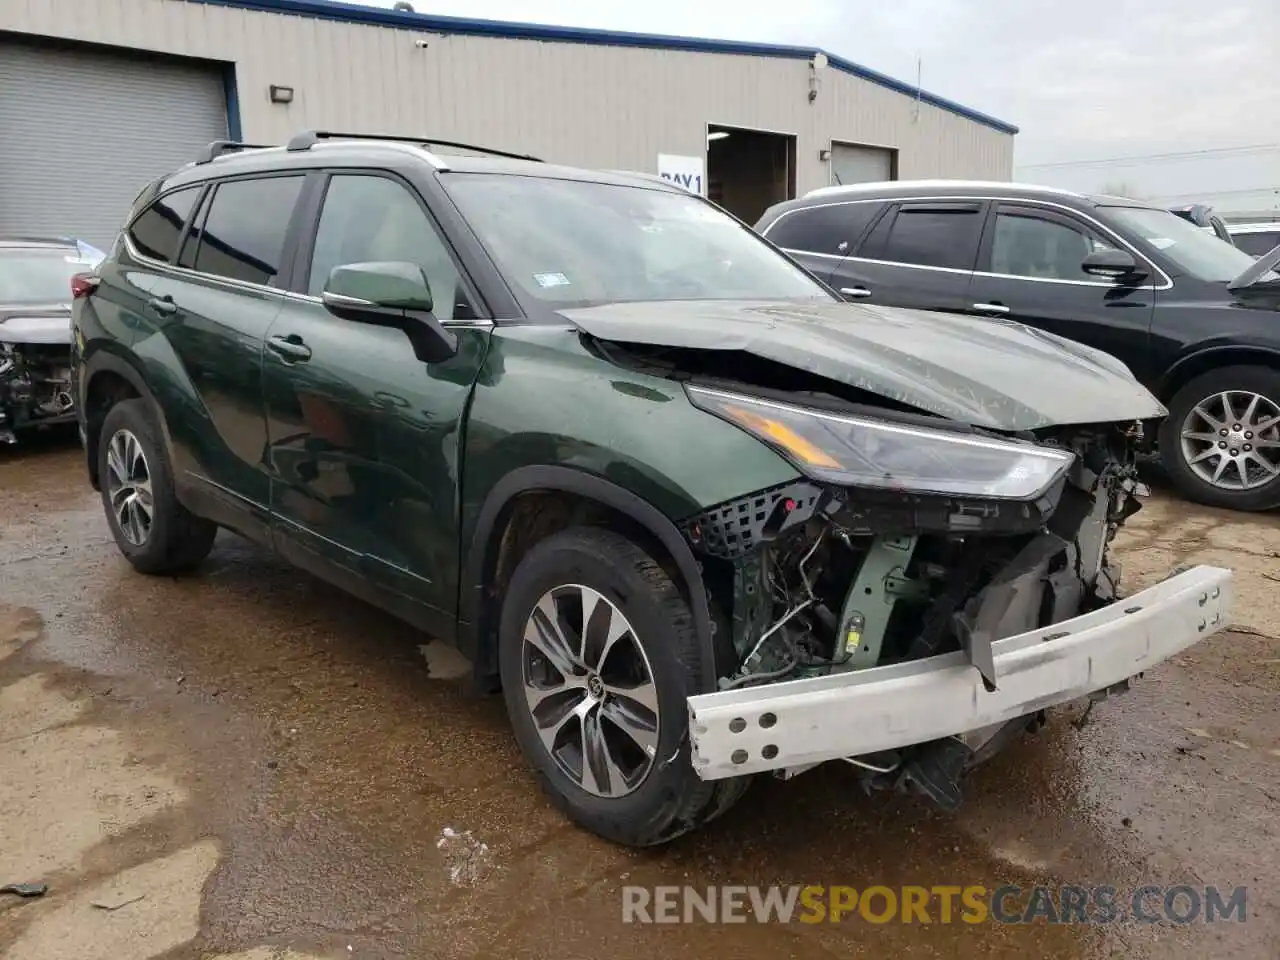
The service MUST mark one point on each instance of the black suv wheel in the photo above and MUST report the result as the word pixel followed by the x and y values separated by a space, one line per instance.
pixel 597 654
pixel 155 532
pixel 1221 440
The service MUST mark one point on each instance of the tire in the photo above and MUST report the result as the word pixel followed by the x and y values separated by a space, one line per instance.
pixel 666 798
pixel 1238 383
pixel 175 540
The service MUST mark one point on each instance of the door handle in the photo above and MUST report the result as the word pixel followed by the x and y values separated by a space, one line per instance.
pixel 855 293
pixel 291 348
pixel 163 305
pixel 996 309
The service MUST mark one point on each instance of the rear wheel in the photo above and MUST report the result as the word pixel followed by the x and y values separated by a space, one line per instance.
pixel 598 654
pixel 155 532
pixel 1221 440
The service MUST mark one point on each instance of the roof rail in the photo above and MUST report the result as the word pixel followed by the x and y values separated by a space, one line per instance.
pixel 309 138
pixel 218 147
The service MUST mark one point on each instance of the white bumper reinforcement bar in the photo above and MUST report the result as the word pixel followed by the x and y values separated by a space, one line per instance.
pixel 803 722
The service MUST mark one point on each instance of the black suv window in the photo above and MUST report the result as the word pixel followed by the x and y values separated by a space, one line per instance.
pixel 155 232
pixel 368 219
pixel 1256 244
pixel 928 235
pixel 831 228
pixel 243 234
pixel 1046 246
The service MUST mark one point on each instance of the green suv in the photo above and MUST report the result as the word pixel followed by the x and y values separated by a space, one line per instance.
pixel 696 517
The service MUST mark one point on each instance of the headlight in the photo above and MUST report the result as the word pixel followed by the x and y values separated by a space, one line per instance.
pixel 862 452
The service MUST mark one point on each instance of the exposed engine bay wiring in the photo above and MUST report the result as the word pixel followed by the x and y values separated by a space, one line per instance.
pixel 839 595
pixel 35 386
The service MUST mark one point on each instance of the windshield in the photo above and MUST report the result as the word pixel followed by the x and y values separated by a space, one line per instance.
pixel 573 243
pixel 1196 252
pixel 33 276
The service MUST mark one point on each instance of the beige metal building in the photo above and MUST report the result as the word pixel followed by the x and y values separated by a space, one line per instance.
pixel 98 96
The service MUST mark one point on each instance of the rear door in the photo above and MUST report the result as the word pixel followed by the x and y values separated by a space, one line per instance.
pixel 1029 270
pixel 210 318
pixel 919 253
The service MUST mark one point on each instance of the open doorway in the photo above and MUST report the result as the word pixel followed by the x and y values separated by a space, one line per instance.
pixel 749 170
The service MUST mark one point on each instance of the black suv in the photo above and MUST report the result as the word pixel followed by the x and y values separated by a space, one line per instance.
pixel 1189 314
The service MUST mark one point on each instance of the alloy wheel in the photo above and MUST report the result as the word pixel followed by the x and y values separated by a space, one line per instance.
pixel 129 487
pixel 590 690
pixel 1231 440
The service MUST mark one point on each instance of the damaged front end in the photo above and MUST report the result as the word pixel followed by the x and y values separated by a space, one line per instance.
pixel 923 595
pixel 35 384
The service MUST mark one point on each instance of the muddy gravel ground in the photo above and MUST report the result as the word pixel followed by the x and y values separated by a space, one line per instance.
pixel 245 763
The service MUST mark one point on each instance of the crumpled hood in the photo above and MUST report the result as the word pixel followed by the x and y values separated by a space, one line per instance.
pixel 988 373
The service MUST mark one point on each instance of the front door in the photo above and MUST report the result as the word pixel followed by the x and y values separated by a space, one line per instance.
pixel 211 313
pixel 1029 270
pixel 363 436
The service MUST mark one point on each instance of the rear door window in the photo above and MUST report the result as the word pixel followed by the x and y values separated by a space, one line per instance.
pixel 928 234
pixel 155 231
pixel 832 229
pixel 243 234
pixel 1257 243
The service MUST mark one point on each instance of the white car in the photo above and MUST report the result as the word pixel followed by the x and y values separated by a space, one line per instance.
pixel 36 279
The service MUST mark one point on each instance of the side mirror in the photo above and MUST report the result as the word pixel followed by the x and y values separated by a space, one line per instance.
pixel 1112 265
pixel 390 294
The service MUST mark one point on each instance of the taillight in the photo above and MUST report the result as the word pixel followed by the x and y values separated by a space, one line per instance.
pixel 83 284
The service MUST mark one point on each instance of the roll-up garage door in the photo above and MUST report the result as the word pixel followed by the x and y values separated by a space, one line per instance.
pixel 82 131
pixel 855 164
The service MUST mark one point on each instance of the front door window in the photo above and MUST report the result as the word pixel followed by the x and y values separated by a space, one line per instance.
pixel 1031 245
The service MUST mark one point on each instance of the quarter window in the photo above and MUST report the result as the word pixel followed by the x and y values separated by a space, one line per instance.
pixel 369 219
pixel 942 235
pixel 243 234
pixel 1026 245
pixel 832 229
pixel 156 230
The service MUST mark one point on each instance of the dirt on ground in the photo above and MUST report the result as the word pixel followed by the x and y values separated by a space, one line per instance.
pixel 244 763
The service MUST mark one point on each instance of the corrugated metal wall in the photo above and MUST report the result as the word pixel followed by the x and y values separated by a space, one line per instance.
pixel 613 107
pixel 117 111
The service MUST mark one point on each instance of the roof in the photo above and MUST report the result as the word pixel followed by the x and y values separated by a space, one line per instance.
pixel 928 188
pixel 356 151
pixel 938 189
pixel 378 16
pixel 933 188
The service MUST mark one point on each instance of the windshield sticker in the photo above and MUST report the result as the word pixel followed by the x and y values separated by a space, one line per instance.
pixel 84 260
pixel 1161 243
pixel 546 280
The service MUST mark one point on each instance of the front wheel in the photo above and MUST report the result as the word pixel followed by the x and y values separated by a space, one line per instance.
pixel 598 654
pixel 1221 440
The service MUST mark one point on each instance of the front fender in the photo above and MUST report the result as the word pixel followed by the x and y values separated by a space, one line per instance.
pixel 547 414
pixel 1207 355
